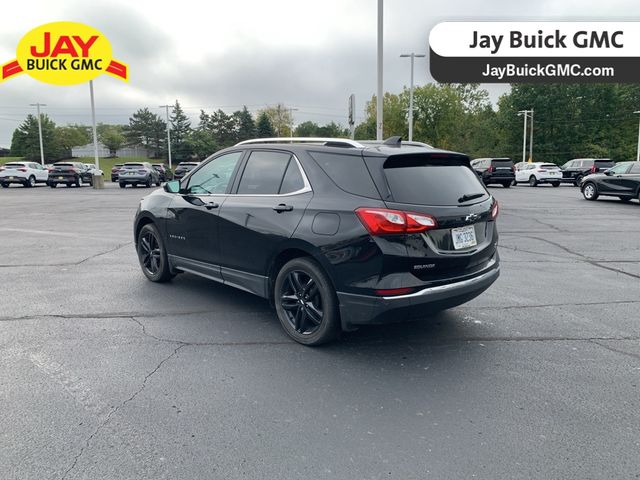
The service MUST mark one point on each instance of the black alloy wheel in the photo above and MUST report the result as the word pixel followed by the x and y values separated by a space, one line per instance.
pixel 152 255
pixel 306 302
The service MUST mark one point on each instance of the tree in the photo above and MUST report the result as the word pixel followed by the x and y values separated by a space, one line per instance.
pixel 223 128
pixel 264 128
pixel 25 141
pixel 148 130
pixel 245 125
pixel 180 133
pixel 112 137
pixel 280 118
pixel 71 136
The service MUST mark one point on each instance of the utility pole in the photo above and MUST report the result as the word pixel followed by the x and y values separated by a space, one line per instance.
pixel 352 115
pixel 379 98
pixel 412 56
pixel 531 138
pixel 166 108
pixel 526 113
pixel 291 110
pixel 97 179
pixel 638 151
pixel 38 105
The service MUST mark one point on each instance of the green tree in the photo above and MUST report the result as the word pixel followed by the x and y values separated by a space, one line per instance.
pixel 71 136
pixel 264 128
pixel 280 118
pixel 180 133
pixel 246 126
pixel 25 141
pixel 148 130
pixel 112 137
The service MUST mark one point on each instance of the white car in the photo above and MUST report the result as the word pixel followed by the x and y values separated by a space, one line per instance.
pixel 538 172
pixel 25 173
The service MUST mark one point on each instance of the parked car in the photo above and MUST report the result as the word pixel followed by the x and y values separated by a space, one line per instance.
pixel 138 173
pixel 92 168
pixel 27 174
pixel 334 233
pixel 495 170
pixel 575 170
pixel 163 170
pixel 538 172
pixel 622 181
pixel 115 170
pixel 69 173
pixel 183 168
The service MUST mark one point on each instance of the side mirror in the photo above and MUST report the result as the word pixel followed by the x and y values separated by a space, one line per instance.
pixel 608 172
pixel 172 186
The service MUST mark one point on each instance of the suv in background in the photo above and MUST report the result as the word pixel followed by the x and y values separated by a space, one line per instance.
pixel 575 170
pixel 27 174
pixel 622 181
pixel 114 171
pixel 138 173
pixel 538 172
pixel 69 173
pixel 495 170
pixel 183 168
pixel 163 170
pixel 334 233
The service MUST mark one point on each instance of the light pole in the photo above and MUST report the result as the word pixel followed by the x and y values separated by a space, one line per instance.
pixel 38 105
pixel 638 150
pixel 291 110
pixel 531 137
pixel 526 113
pixel 380 93
pixel 412 56
pixel 166 108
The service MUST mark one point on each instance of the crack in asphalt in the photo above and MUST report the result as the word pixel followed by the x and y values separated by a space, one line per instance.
pixel 612 349
pixel 116 409
pixel 584 258
pixel 68 264
pixel 547 305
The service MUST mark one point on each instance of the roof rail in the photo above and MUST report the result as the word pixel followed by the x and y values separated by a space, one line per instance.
pixel 331 142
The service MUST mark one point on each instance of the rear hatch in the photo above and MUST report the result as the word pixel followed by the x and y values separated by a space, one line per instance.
pixel 63 171
pixel 502 167
pixel 133 170
pixel 13 169
pixel 601 165
pixel 442 186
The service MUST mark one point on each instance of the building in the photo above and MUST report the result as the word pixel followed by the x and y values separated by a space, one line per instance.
pixel 87 151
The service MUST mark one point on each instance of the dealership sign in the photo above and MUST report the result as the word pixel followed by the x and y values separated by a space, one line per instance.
pixel 505 52
pixel 64 53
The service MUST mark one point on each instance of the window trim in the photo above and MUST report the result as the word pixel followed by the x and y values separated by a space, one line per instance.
pixel 306 188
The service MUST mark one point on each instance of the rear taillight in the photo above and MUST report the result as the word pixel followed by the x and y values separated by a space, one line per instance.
pixel 593 169
pixel 142 172
pixel 513 169
pixel 494 210
pixel 2 169
pixel 490 169
pixel 22 169
pixel 382 221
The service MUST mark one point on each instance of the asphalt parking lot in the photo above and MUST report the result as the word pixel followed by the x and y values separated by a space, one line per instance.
pixel 104 374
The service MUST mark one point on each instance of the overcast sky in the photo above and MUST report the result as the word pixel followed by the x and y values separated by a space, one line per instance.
pixel 225 54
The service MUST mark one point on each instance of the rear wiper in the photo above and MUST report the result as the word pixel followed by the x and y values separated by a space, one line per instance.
pixel 469 196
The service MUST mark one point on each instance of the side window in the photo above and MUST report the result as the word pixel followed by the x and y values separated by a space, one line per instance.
pixel 263 173
pixel 635 168
pixel 214 177
pixel 292 181
pixel 620 169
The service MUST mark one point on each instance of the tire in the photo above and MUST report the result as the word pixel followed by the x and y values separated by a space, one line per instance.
pixel 506 184
pixel 158 184
pixel 533 181
pixel 67 185
pixel 148 183
pixel 555 184
pixel 625 199
pixel 31 182
pixel 578 181
pixel 152 254
pixel 79 182
pixel 4 185
pixel 306 302
pixel 589 191
pixel 123 185
pixel 53 185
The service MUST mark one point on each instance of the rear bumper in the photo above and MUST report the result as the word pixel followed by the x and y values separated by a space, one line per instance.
pixel 498 179
pixel 365 309
pixel 15 179
pixel 133 179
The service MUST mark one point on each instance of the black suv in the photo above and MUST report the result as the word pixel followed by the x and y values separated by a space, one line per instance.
pixel 69 173
pixel 183 168
pixel 495 170
pixel 575 170
pixel 334 233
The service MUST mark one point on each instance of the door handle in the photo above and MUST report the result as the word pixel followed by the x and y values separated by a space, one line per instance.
pixel 211 205
pixel 283 208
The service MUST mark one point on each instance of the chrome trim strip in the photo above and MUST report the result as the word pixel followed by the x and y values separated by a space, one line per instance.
pixel 444 288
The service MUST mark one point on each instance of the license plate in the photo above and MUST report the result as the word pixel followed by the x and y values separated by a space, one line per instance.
pixel 464 237
pixel 60 178
pixel 10 178
pixel 553 173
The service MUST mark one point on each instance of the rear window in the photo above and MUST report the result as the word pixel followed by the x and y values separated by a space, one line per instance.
pixel 604 163
pixel 422 182
pixel 501 163
pixel 14 165
pixel 133 165
pixel 348 172
pixel 64 165
pixel 549 165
